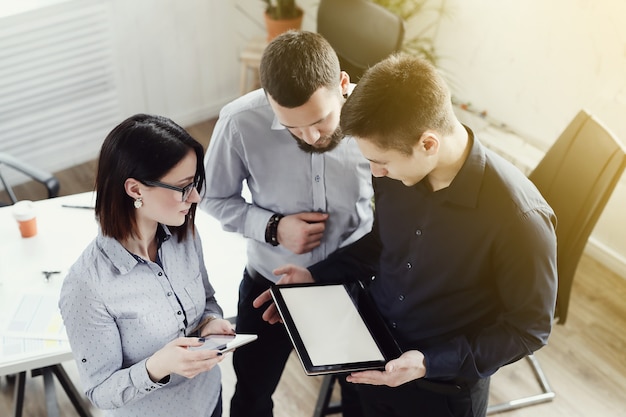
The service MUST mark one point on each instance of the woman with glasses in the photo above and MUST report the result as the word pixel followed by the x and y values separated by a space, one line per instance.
pixel 139 296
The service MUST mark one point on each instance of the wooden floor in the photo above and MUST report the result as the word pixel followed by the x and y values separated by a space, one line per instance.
pixel 585 360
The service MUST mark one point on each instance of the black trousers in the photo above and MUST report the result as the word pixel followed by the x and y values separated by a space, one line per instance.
pixel 409 400
pixel 260 364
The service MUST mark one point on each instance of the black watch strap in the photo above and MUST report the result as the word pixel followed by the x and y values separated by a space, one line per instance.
pixel 271 230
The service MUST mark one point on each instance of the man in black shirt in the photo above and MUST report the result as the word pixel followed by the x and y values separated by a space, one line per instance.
pixel 463 249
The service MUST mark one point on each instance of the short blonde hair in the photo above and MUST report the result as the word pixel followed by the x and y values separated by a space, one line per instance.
pixel 396 101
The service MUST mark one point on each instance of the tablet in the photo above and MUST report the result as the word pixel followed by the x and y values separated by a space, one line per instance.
pixel 224 342
pixel 334 328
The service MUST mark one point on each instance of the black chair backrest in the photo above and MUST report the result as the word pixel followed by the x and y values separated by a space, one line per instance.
pixel 361 32
pixel 577 176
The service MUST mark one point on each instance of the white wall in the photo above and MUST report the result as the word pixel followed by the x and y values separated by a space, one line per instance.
pixel 533 65
pixel 176 58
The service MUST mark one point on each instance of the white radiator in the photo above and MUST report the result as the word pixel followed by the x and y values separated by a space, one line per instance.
pixel 58 96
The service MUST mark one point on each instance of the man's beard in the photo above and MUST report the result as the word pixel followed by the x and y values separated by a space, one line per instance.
pixel 333 140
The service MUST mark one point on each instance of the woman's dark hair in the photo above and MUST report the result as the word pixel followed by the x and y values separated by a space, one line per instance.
pixel 142 147
pixel 295 65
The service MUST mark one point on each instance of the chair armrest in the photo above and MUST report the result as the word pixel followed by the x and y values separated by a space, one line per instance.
pixel 46 178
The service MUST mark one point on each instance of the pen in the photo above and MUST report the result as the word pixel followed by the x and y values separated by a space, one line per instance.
pixel 48 273
pixel 78 207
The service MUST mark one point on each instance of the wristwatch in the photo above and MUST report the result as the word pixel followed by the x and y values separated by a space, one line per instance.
pixel 271 229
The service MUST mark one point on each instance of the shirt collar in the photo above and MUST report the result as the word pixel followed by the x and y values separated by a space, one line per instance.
pixel 276 125
pixel 121 259
pixel 466 185
pixel 163 234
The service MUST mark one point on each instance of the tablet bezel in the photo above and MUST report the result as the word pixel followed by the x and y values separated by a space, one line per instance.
pixel 365 306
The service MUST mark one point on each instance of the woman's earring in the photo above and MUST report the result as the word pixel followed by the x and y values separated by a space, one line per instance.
pixel 138 202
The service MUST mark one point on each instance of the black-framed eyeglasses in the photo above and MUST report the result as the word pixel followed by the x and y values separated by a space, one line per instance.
pixel 186 190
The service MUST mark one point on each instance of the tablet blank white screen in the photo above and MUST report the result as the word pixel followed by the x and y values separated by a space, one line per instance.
pixel 330 325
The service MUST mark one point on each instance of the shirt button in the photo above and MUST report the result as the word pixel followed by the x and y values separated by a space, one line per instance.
pixel 169 293
pixel 317 178
pixel 418 232
pixel 160 273
pixel 401 298
pixel 408 265
pixel 179 312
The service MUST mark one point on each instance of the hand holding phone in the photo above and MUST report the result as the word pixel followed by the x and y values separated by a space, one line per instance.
pixel 224 342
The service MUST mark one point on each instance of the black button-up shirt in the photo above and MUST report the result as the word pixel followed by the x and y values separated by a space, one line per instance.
pixel 467 274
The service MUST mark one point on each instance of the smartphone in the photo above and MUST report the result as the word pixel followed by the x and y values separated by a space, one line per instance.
pixel 224 342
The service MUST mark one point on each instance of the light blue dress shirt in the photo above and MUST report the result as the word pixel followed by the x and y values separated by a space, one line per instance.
pixel 249 145
pixel 119 309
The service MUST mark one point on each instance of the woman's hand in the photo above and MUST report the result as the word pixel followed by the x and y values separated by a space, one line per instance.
pixel 175 358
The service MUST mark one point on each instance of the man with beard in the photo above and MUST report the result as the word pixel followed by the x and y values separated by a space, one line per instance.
pixel 310 192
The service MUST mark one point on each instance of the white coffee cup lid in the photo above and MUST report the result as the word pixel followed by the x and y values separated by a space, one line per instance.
pixel 23 210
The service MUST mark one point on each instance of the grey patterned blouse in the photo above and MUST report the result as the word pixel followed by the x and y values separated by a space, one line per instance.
pixel 119 309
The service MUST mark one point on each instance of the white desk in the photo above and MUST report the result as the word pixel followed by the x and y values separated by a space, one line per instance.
pixel 62 235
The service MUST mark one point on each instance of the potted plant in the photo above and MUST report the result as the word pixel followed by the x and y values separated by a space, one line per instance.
pixel 422 18
pixel 280 16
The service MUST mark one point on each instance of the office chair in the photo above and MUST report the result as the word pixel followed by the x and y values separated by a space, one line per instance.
pixel 576 176
pixel 361 32
pixel 50 182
